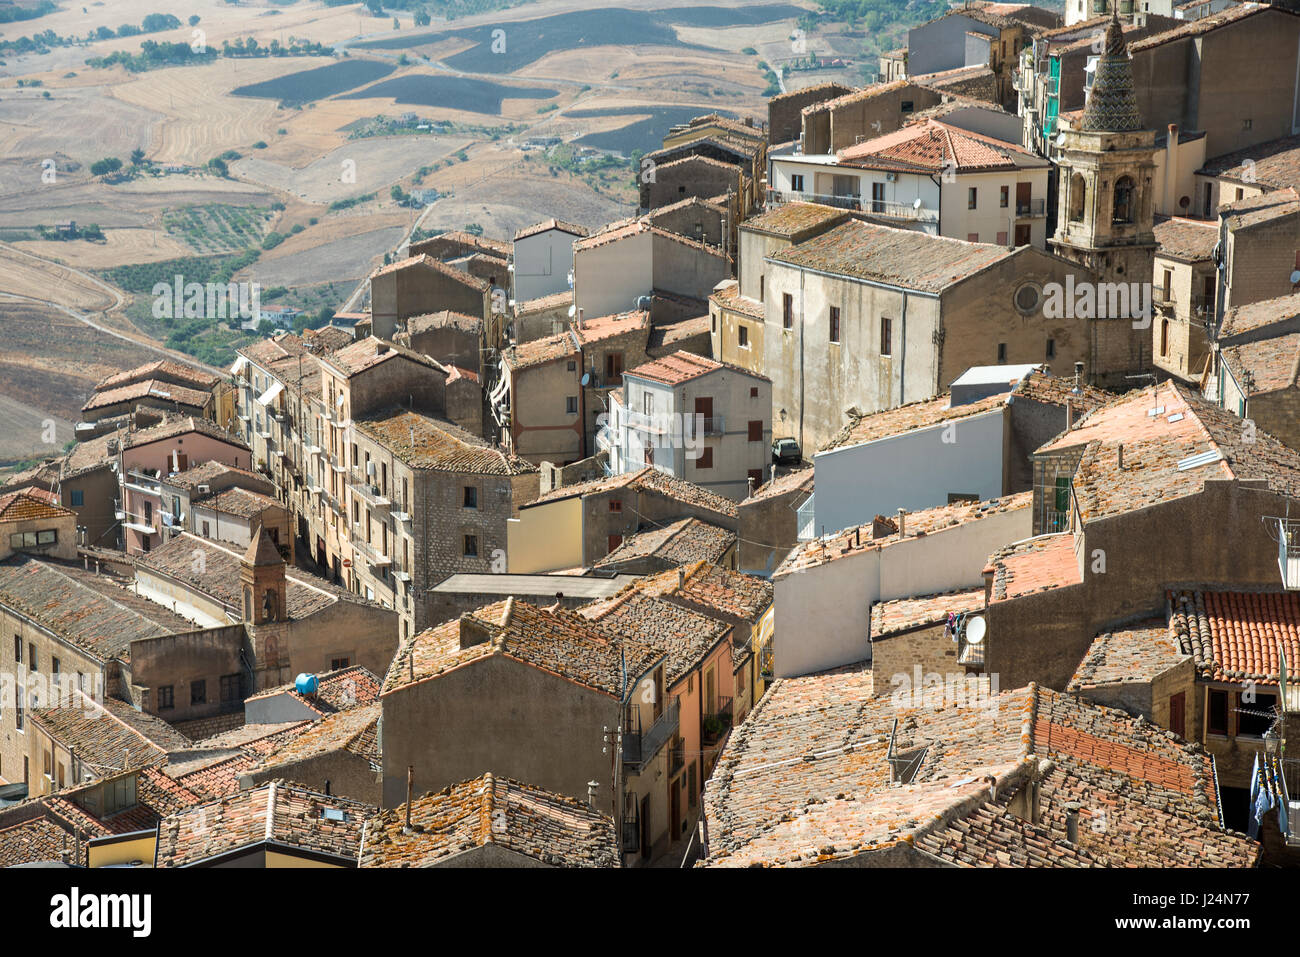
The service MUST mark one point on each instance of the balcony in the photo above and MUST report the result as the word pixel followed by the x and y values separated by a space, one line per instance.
pixel 401 511
pixel 143 483
pixel 1032 209
pixel 371 494
pixel 715 424
pixel 877 207
pixel 639 747
pixel 369 552
pixel 718 723
pixel 631 842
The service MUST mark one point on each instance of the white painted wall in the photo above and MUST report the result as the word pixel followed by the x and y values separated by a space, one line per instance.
pixel 542 262
pixel 835 599
pixel 914 470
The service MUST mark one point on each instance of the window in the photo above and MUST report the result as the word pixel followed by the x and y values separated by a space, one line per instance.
pixel 796 183
pixel 762 281
pixel 471 546
pixel 54 666
pixel 755 430
pixel 32 662
pixel 615 505
pixel 753 392
pixel 742 337
pixel 755 476
pixel 471 497
pixel 1002 237
pixel 199 692
pixel 1051 348
pixel 337 664
pixel 886 336
pixel 906 106
pixel 1164 337
pixel 648 403
pixel 18 715
pixel 972 197
pixel 972 237
pixel 614 367
pixel 1004 197
pixel 572 365
pixel 77 498
pixel 787 310
pixel 18 649
pixel 705 461
pixel 207 530
pixel 571 405
pixel 835 323
pixel 1078 197
pixel 166 701
pixel 1124 195
pixel 1216 717
pixel 20 540
pixel 1255 717
pixel 232 688
pixel 1002 352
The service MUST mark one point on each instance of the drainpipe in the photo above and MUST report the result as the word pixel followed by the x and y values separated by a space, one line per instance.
pixel 802 397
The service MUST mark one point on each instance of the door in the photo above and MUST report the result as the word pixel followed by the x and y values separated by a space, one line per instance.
pixel 645 826
pixel 877 197
pixel 675 789
pixel 704 407
pixel 1022 234
pixel 1023 191
pixel 1178 714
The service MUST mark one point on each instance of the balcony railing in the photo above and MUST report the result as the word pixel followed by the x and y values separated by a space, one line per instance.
pixel 718 723
pixel 631 833
pixel 371 494
pixel 877 207
pixel 639 747
pixel 715 424
pixel 369 552
pixel 1032 209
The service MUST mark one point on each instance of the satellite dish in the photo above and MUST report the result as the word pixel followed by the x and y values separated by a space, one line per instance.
pixel 916 203
pixel 572 311
pixel 1295 277
pixel 586 378
pixel 975 630
pixel 1060 140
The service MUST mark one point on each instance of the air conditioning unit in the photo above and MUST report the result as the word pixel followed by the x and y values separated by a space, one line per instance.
pixel 370 468
pixel 891 177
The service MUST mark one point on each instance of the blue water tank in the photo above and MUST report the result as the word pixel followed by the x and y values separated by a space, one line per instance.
pixel 306 684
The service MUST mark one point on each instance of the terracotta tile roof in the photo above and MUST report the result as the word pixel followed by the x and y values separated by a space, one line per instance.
pixel 685 637
pixel 793 220
pixel 1282 311
pixel 425 261
pixel 536 352
pixel 279 813
pixel 1034 565
pixel 23 505
pixel 365 354
pixel 620 229
pixel 904 614
pixel 439 445
pixel 665 336
pixel 805 780
pixel 340 690
pixel 544 303
pixel 196 378
pixel 1135 654
pixel 929 521
pixel 556 641
pixel 857 96
pixel 548 224
pixel 149 388
pixel 606 327
pixel 681 543
pixel 459 237
pixel 205 472
pixel 932 146
pixel 648 480
pixel 1236 636
pixel 354 730
pixel 279 346
pixel 1271 165
pixel 33 842
pixel 240 502
pixel 94 612
pixel 183 425
pixel 1193 28
pixel 1272 363
pixel 681 366
pixel 211 768
pixel 797 480
pixel 1047 388
pixel 824 87
pixel 446 319
pixel 1262 209
pixel 1158 450
pixel 327 339
pixel 42 476
pixel 108 736
pixel 1187 240
pixel 490 810
pixel 909 417
pixel 727 296
pixel 899 257
pixel 219 579
pixel 660 211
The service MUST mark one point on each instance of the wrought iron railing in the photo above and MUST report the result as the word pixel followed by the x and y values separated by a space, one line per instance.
pixel 640 746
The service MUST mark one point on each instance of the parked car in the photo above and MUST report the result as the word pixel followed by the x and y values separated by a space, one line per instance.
pixel 786 452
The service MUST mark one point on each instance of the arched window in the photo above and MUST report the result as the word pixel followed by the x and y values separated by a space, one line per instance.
pixel 1078 197
pixel 1124 197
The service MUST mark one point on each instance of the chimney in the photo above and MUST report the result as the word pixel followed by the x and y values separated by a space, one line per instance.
pixel 1171 172
pixel 579 318
pixel 882 527
pixel 1069 412
pixel 592 788
pixel 1119 456
pixel 751 486
pixel 902 531
pixel 1072 822
pixel 1078 378
pixel 681 576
